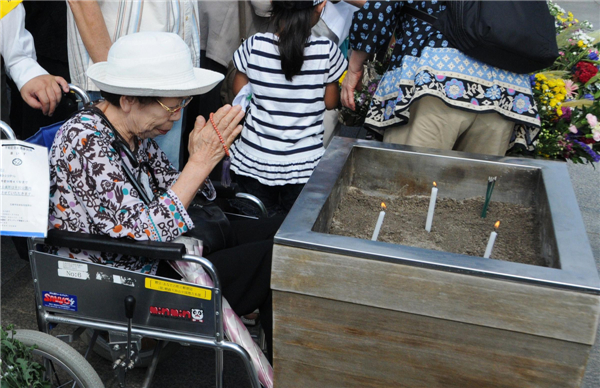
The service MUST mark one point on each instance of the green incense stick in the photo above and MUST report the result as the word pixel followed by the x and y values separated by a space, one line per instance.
pixel 488 195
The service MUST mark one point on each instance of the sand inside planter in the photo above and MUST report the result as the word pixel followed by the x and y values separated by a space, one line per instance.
pixel 457 225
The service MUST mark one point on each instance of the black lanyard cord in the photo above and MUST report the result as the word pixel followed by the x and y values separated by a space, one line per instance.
pixel 120 145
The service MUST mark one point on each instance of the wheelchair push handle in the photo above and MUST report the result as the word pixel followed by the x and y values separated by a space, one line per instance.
pixel 85 99
pixel 7 130
pixel 83 96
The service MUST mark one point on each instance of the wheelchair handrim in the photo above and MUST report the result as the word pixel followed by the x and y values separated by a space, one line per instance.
pixel 48 374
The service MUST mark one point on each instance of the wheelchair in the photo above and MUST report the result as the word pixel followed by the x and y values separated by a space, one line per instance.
pixel 88 296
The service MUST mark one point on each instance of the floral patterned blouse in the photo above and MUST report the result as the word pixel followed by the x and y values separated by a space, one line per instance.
pixel 90 193
pixel 424 63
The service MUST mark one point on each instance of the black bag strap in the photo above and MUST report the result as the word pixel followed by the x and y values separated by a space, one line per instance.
pixel 424 16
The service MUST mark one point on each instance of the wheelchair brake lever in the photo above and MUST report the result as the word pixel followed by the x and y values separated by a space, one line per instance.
pixel 129 310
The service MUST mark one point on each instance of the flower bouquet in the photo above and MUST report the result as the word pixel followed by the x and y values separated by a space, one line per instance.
pixel 372 74
pixel 567 94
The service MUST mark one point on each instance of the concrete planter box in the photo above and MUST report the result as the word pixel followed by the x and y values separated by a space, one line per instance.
pixel 358 313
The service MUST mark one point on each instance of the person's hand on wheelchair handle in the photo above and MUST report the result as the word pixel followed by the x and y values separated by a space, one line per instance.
pixel 44 92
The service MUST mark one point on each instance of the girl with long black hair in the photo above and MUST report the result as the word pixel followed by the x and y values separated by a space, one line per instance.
pixel 293 79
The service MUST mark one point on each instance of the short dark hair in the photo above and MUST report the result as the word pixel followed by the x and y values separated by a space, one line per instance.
pixel 114 99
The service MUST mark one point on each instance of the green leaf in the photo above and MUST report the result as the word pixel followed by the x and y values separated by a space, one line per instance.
pixel 554 74
pixel 593 80
pixel 578 103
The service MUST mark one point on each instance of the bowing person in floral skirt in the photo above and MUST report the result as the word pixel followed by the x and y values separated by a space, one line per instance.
pixel 433 95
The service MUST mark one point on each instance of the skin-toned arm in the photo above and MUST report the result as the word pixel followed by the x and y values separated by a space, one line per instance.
pixel 353 76
pixel 332 95
pixel 239 81
pixel 206 150
pixel 92 28
pixel 44 92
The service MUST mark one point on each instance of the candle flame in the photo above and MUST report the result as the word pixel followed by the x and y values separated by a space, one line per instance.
pixel 497 224
pixel 434 184
pixel 383 206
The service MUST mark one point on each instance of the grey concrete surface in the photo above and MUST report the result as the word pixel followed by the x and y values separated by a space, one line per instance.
pixel 584 10
pixel 586 183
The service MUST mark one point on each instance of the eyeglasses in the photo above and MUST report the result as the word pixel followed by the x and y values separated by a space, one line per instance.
pixel 176 109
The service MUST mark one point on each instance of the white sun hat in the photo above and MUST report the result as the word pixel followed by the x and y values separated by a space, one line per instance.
pixel 152 64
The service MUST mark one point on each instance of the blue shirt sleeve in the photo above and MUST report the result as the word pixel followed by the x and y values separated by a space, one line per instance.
pixel 373 25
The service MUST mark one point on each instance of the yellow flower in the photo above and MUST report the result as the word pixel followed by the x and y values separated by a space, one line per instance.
pixel 580 43
pixel 553 102
pixel 560 97
pixel 552 83
pixel 559 112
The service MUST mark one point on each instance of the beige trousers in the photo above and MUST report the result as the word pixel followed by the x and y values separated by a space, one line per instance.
pixel 434 124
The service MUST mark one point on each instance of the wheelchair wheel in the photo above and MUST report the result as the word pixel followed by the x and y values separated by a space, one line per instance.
pixel 101 348
pixel 65 367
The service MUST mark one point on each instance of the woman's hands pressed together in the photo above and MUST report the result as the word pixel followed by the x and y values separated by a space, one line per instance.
pixel 205 146
pixel 206 150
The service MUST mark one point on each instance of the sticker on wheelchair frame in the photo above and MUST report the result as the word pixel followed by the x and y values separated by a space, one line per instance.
pixel 59 301
pixel 180 289
pixel 67 269
pixel 117 279
pixel 197 315
pixel 194 315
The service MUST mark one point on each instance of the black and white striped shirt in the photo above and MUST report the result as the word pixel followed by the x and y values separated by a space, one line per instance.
pixel 282 139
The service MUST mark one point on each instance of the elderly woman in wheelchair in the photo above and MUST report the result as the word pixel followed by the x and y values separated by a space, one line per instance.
pixel 109 177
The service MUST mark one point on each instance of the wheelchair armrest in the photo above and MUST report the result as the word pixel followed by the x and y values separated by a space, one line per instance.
pixel 125 246
pixel 234 191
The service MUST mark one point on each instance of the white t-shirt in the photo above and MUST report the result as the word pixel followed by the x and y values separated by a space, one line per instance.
pixel 130 16
pixel 282 139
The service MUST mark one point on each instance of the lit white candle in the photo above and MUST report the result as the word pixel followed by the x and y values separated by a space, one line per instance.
pixel 491 241
pixel 379 222
pixel 432 200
